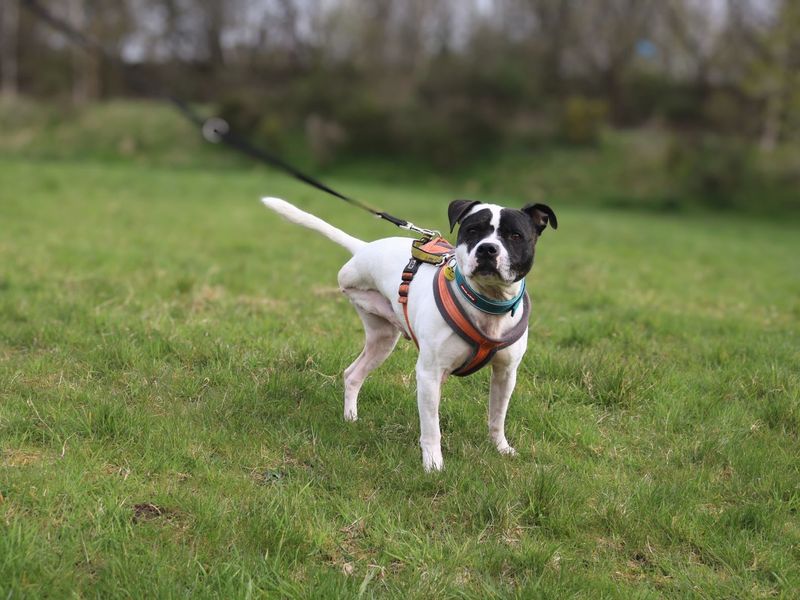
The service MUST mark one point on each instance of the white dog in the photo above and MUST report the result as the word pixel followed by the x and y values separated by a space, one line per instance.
pixel 480 295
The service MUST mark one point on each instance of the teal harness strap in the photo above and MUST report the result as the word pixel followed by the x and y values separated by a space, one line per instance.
pixel 487 305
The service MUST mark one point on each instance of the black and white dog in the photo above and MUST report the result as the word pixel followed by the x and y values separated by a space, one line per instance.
pixel 494 252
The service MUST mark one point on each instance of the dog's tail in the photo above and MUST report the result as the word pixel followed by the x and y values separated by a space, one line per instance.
pixel 295 215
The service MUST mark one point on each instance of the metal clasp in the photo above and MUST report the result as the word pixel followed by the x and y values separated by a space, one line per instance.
pixel 430 233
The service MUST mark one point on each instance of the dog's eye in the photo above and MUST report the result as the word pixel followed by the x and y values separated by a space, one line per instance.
pixel 514 236
pixel 472 230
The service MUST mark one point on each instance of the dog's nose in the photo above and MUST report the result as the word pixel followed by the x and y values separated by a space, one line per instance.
pixel 486 251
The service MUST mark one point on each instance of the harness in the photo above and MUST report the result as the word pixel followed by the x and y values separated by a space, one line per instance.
pixel 438 252
pixel 434 251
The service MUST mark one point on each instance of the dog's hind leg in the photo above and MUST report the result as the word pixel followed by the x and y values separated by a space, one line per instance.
pixel 381 337
pixel 374 303
pixel 360 290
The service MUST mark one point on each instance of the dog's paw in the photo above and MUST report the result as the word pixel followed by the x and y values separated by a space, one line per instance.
pixel 507 450
pixel 351 416
pixel 433 466
pixel 432 461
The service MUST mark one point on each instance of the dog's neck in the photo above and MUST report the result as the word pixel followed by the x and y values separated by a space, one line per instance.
pixel 493 326
pixel 494 289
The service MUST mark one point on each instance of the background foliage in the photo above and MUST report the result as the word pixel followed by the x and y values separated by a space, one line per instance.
pixel 442 85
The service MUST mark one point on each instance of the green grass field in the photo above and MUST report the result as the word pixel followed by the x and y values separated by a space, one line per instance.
pixel 170 404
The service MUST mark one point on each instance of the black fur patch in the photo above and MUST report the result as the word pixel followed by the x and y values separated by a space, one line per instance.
pixel 475 228
pixel 459 208
pixel 541 215
pixel 518 235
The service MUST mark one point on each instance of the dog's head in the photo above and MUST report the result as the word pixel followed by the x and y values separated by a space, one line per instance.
pixel 497 244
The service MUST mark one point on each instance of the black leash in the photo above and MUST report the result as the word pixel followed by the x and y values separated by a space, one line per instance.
pixel 214 129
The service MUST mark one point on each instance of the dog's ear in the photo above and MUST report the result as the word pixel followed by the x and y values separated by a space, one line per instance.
pixel 541 215
pixel 457 210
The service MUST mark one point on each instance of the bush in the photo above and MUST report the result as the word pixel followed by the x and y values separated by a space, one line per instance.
pixel 710 168
pixel 582 120
pixel 678 104
pixel 253 116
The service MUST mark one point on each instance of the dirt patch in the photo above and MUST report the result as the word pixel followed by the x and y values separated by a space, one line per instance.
pixel 123 472
pixel 326 291
pixel 260 303
pixel 206 296
pixel 147 511
pixel 20 458
pixel 350 551
pixel 269 476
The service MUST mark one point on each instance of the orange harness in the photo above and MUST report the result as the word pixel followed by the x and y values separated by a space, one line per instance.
pixel 483 348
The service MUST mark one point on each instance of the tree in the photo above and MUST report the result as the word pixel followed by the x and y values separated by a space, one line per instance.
pixel 606 36
pixel 9 13
pixel 694 29
pixel 766 33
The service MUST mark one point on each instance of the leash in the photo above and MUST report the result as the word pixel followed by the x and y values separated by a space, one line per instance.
pixel 214 129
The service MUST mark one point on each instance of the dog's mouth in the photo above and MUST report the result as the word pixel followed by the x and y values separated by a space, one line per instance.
pixel 486 267
pixel 489 273
pixel 489 270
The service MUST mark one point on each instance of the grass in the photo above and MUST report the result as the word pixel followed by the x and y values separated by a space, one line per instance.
pixel 170 404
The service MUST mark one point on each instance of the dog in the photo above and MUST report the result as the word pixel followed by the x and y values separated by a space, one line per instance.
pixel 494 252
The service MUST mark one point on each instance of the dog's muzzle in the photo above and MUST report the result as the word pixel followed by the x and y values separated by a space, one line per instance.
pixel 487 251
pixel 486 259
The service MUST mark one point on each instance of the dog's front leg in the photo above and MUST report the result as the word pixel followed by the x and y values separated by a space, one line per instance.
pixel 429 390
pixel 504 378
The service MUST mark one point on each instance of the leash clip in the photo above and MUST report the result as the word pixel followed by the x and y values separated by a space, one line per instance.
pixel 429 233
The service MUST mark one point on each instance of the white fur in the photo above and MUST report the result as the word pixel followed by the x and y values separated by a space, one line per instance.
pixel 370 280
pixel 295 215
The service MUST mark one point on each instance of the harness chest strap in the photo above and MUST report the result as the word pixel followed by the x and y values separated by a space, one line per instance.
pixel 483 347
